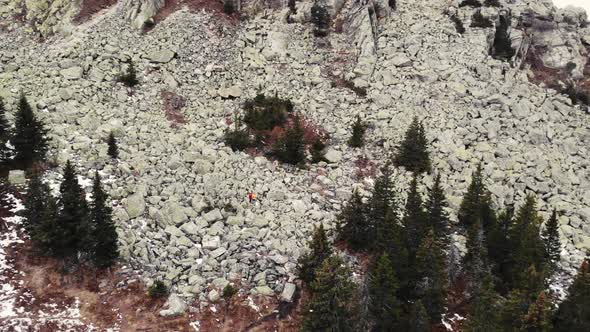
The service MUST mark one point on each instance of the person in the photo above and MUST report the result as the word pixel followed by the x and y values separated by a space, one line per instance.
pixel 253 197
pixel 249 197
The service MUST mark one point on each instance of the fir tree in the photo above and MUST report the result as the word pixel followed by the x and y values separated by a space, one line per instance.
pixel 5 132
pixel 431 271
pixel 29 140
pixel 438 218
pixel 382 206
pixel 113 150
pixel 291 5
pixel 45 235
pixel 417 319
pixel 513 311
pixel 475 264
pixel 130 76
pixel 573 314
pixel 105 247
pixel 413 151
pixel 551 238
pixel 317 151
pixel 73 223
pixel 6 204
pixel 502 47
pixel 484 315
pixel 320 18
pixel 480 21
pixel 353 225
pixel 319 251
pixel 477 203
pixel 332 304
pixel 357 139
pixel 414 218
pixel 383 286
pixel 290 147
pixel 34 203
pixel 500 249
pixel 539 315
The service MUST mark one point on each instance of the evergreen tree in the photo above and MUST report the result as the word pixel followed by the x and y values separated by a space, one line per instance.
pixel 353 227
pixel 382 206
pixel 413 151
pixel 129 78
pixel 417 319
pixel 484 316
pixel 431 271
pixel 320 18
pixel 539 315
pixel 573 314
pixel 438 218
pixel 319 250
pixel 477 203
pixel 29 140
pixel 290 147
pixel 5 132
pixel 513 311
pixel 291 5
pixel 74 228
pixel 113 150
pixel 105 249
pixel 414 219
pixel 551 238
pixel 45 236
pixel 500 249
pixel 383 285
pixel 6 204
pixel 475 264
pixel 317 151
pixel 34 203
pixel 357 139
pixel 332 304
pixel 480 21
pixel 502 47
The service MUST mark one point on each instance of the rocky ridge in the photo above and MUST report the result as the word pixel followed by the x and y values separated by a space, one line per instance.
pixel 180 194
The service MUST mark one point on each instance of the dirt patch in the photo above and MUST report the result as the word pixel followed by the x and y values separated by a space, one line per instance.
pixel 90 7
pixel 172 104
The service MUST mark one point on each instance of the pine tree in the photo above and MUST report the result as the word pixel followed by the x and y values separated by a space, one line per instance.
pixel 500 249
pixel 6 204
pixel 353 227
pixel 45 235
pixel 74 228
pixel 475 264
pixel 414 219
pixel 34 203
pixel 438 218
pixel 130 76
pixel 484 316
pixel 417 318
pixel 539 315
pixel 480 21
pixel 113 150
pixel 29 140
pixel 320 18
pixel 357 139
pixel 551 238
pixel 477 204
pixel 105 248
pixel 332 304
pixel 413 151
pixel 431 281
pixel 382 206
pixel 317 151
pixel 319 250
pixel 573 314
pixel 513 311
pixel 290 147
pixel 502 47
pixel 5 132
pixel 383 286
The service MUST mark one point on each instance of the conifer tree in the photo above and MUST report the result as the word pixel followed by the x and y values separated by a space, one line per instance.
pixel 357 139
pixel 484 316
pixel 105 249
pixel 383 286
pixel 431 281
pixel 477 203
pixel 513 311
pixel 317 151
pixel 353 227
pixel 414 218
pixel 320 17
pixel 539 315
pixel 29 140
pixel 417 319
pixel 382 206
pixel 551 238
pixel 332 303
pixel 129 78
pixel 45 236
pixel 573 313
pixel 475 264
pixel 502 47
pixel 438 218
pixel 74 227
pixel 319 250
pixel 500 249
pixel 113 150
pixel 34 203
pixel 5 131
pixel 290 147
pixel 413 151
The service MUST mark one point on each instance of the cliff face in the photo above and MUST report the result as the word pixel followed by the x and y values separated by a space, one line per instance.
pixel 180 193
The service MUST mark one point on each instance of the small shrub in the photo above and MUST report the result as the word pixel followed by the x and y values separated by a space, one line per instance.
pixel 237 139
pixel 392 4
pixel 492 3
pixel 458 24
pixel 480 21
pixel 290 147
pixel 317 151
pixel 291 4
pixel 470 3
pixel 158 290
pixel 502 48
pixel 570 66
pixel 113 150
pixel 320 18
pixel 357 139
pixel 229 291
pixel 265 113
pixel 228 7
pixel 129 78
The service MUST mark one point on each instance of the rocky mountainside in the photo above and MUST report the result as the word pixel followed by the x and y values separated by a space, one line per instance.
pixel 180 193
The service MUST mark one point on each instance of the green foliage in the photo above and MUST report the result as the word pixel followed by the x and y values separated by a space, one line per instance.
pixel 105 245
pixel 30 136
pixel 573 314
pixel 513 310
pixel 319 250
pixel 291 5
pixel 539 315
pixel 332 306
pixel 414 219
pixel 158 289
pixel 237 139
pixel 383 286
pixel 229 291
pixel 492 3
pixel 317 151
pixel 502 48
pixel 129 78
pixel 320 18
pixel 484 315
pixel 228 7
pixel 551 239
pixel 357 139
pixel 34 202
pixel 45 235
pixel 113 150
pixel 413 151
pixel 480 21
pixel 5 133
pixel 438 218
pixel 475 263
pixel 265 113
pixel 353 226
pixel 382 209
pixel 431 281
pixel 392 4
pixel 417 318
pixel 290 147
pixel 477 203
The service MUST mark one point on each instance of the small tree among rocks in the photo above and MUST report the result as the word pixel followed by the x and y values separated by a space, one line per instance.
pixel 113 150
pixel 290 147
pixel 228 7
pixel 129 78
pixel 30 136
pixel 502 48
pixel 458 24
pixel 320 18
pixel 317 151
pixel 158 289
pixel 480 21
pixel 492 3
pixel 413 151
pixel 470 3
pixel 357 139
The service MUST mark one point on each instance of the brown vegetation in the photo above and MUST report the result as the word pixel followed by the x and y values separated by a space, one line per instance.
pixel 171 105
pixel 90 7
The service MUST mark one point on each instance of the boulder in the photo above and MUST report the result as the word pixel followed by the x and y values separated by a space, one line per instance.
pixel 333 156
pixel 174 306
pixel 174 213
pixel 401 60
pixel 288 292
pixel 161 56
pixel 213 215
pixel 135 205
pixel 264 290
pixel 17 177
pixel 72 73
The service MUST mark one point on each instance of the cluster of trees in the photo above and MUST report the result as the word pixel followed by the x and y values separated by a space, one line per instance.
pixel 480 21
pixel 28 137
pixel 413 151
pixel 503 275
pixel 68 227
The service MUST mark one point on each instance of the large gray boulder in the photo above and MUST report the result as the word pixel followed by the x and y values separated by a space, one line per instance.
pixel 17 177
pixel 135 205
pixel 161 56
pixel 174 306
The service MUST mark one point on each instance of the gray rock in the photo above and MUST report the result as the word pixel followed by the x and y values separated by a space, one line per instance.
pixel 174 213
pixel 135 205
pixel 213 295
pixel 401 60
pixel 212 243
pixel 288 292
pixel 17 177
pixel 213 215
pixel 174 306
pixel 161 56
pixel 264 290
pixel 217 252
pixel 72 73
pixel 333 156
